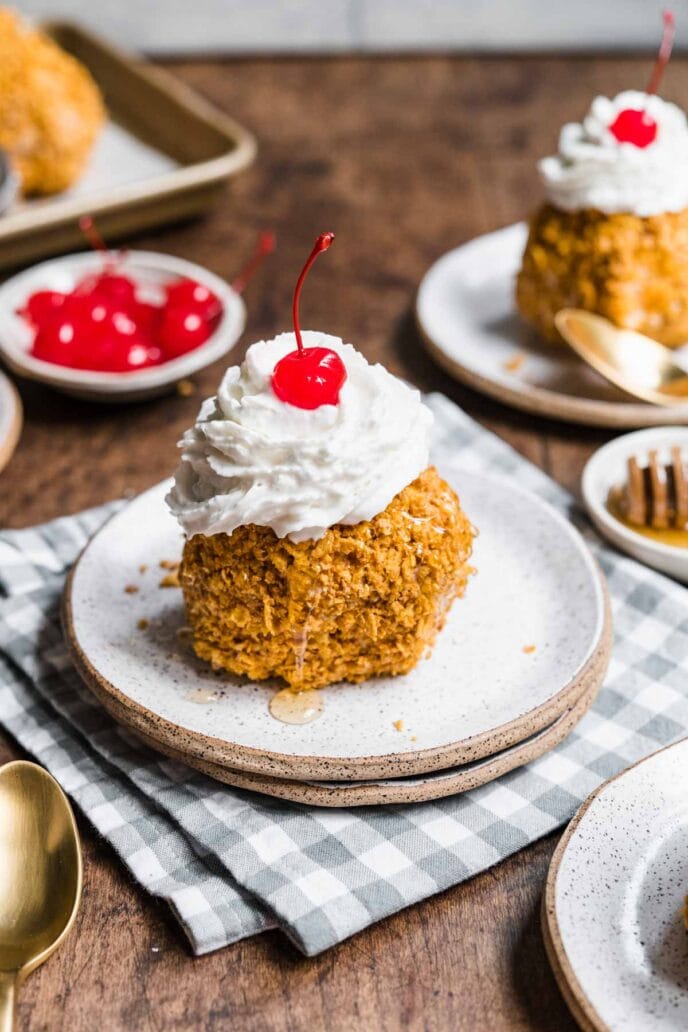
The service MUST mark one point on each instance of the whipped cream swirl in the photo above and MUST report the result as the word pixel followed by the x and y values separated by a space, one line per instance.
pixel 251 458
pixel 594 170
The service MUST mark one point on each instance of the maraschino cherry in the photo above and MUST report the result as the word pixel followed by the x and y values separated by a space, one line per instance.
pixel 636 126
pixel 102 324
pixel 309 377
pixel 109 284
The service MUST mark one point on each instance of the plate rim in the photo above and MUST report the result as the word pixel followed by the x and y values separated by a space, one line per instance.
pixel 539 400
pixel 571 989
pixel 298 766
pixel 311 793
pixel 16 421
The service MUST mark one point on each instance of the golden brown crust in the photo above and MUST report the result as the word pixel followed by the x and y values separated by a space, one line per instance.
pixel 50 108
pixel 629 269
pixel 362 601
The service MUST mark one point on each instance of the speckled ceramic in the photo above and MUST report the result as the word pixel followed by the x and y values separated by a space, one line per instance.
pixel 416 789
pixel 10 419
pixel 606 468
pixel 467 316
pixel 478 693
pixel 152 271
pixel 615 891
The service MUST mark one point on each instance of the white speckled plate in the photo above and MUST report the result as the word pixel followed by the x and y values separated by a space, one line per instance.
pixel 479 693
pixel 10 419
pixel 615 891
pixel 417 788
pixel 467 316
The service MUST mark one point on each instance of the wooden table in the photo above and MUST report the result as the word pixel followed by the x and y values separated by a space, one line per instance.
pixel 404 158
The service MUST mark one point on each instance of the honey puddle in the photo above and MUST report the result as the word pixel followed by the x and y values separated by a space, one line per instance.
pixel 296 707
pixel 204 695
pixel 670 536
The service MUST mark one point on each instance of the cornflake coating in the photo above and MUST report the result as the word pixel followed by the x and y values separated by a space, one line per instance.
pixel 51 110
pixel 632 270
pixel 362 601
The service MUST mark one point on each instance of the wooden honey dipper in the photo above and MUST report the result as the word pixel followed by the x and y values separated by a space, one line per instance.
pixel 655 495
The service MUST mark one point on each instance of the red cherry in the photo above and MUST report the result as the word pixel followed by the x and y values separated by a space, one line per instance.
pixel 42 306
pixel 194 297
pixel 139 354
pixel 633 126
pixel 309 377
pixel 147 317
pixel 182 331
pixel 56 343
pixel 120 290
pixel 636 126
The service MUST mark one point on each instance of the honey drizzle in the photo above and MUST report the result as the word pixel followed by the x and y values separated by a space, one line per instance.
pixel 666 536
pixel 293 707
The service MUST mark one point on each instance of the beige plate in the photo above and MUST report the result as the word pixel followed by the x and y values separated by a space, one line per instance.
pixel 468 322
pixel 435 785
pixel 10 419
pixel 481 691
pixel 165 155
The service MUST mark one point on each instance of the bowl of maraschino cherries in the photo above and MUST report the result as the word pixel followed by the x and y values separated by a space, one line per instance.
pixel 120 325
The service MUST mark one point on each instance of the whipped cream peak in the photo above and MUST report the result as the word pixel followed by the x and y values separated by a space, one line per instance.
pixel 595 170
pixel 251 458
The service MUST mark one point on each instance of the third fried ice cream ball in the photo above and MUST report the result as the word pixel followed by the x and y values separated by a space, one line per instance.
pixel 51 110
pixel 612 236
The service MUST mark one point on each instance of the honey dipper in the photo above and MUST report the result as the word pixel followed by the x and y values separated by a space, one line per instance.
pixel 655 495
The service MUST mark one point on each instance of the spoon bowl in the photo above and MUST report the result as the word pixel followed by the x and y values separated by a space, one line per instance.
pixel 40 875
pixel 635 363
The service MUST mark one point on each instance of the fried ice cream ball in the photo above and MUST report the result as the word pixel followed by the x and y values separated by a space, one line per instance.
pixel 363 601
pixel 51 110
pixel 631 269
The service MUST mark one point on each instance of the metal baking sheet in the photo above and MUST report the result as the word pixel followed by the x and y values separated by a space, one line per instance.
pixel 164 154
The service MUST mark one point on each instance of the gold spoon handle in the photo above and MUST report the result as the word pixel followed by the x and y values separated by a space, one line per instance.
pixel 8 991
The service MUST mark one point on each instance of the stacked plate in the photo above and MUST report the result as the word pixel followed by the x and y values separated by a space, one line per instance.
pixel 515 668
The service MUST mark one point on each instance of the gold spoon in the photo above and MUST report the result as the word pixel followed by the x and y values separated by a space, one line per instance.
pixel 40 875
pixel 635 363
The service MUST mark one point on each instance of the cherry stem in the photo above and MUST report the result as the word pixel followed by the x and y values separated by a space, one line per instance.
pixel 321 244
pixel 265 246
pixel 90 231
pixel 665 48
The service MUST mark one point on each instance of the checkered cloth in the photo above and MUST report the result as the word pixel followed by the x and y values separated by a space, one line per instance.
pixel 231 863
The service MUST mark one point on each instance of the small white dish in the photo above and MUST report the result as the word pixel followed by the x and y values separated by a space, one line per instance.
pixel 514 654
pixel 615 892
pixel 605 469
pixel 467 317
pixel 10 419
pixel 153 271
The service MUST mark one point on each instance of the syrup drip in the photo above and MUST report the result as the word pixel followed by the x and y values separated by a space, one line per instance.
pixel 296 707
pixel 204 695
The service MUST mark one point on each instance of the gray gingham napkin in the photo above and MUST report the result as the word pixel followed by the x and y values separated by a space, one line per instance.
pixel 231 863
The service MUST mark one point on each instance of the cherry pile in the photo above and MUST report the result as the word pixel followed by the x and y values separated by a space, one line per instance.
pixel 103 324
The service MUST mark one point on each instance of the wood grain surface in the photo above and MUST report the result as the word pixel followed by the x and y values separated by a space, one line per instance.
pixel 403 158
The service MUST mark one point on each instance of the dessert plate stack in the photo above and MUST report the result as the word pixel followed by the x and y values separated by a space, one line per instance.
pixel 517 665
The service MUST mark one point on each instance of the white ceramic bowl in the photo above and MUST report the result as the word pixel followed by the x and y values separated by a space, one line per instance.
pixel 153 271
pixel 608 467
